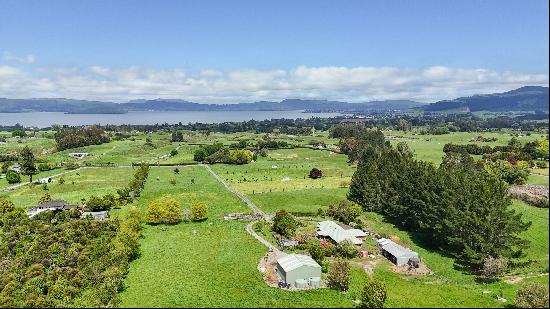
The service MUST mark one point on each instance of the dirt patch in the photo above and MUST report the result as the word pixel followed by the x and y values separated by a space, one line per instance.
pixel 421 270
pixel 514 280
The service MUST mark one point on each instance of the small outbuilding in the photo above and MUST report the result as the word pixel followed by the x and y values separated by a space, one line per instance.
pixel 44 180
pixel 396 253
pixel 96 215
pixel 296 269
pixel 338 234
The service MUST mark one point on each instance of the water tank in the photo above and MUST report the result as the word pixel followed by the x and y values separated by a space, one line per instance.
pixel 300 283
pixel 315 282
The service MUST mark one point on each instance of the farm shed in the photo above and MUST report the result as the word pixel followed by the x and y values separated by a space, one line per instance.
pixel 293 267
pixel 396 253
pixel 338 234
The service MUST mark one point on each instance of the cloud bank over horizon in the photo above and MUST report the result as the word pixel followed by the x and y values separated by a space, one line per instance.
pixel 351 84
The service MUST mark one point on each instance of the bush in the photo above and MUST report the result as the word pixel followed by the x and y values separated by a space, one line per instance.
pixel 199 211
pixel 315 173
pixel 71 165
pixel 173 153
pixel 345 211
pixel 346 249
pixel 13 177
pixel 241 156
pixel 61 180
pixel 45 198
pixel 46 166
pixel 338 276
pixel 6 206
pixel 373 295
pixel 166 211
pixel 532 295
pixel 103 203
pixel 493 268
pixel 284 223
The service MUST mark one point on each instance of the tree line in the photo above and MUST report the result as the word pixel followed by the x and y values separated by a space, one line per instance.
pixel 460 206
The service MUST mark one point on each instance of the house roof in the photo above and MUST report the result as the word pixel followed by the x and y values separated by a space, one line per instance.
pixel 55 204
pixel 396 249
pixel 294 261
pixel 338 233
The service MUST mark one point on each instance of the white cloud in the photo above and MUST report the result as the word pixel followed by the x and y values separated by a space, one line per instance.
pixel 27 59
pixel 357 84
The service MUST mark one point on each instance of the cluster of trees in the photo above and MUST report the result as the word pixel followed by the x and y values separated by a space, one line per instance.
pixel 64 270
pixel 529 151
pixel 79 137
pixel 177 136
pixel 284 223
pixel 217 153
pixel 271 144
pixel 8 157
pixel 462 208
pixel 343 211
pixel 263 126
pixel 169 211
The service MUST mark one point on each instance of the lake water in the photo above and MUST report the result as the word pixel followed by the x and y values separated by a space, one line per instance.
pixel 46 119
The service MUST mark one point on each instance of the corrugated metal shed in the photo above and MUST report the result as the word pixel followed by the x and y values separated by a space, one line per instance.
pixel 297 266
pixel 397 253
pixel 338 233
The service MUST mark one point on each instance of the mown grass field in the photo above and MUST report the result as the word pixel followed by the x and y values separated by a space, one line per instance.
pixel 87 182
pixel 280 180
pixel 430 147
pixel 211 263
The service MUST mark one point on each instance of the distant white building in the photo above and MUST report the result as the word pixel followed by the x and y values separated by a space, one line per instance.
pixel 78 155
pixel 96 215
pixel 44 180
pixel 57 205
pixel 338 234
pixel 396 253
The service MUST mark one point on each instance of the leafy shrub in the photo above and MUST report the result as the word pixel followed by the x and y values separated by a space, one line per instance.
pixel 13 177
pixel 71 165
pixel 6 206
pixel 284 223
pixel 166 211
pixel 493 268
pixel 46 166
pixel 532 295
pixel 241 156
pixel 61 180
pixel 346 249
pixel 345 211
pixel 199 211
pixel 373 295
pixel 315 173
pixel 338 276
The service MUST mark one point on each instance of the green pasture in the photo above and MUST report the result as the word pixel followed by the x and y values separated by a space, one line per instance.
pixel 81 183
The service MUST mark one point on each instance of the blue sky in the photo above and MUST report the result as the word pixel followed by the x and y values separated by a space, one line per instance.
pixel 294 44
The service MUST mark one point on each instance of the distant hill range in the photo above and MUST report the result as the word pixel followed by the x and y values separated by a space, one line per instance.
pixel 96 107
pixel 528 98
